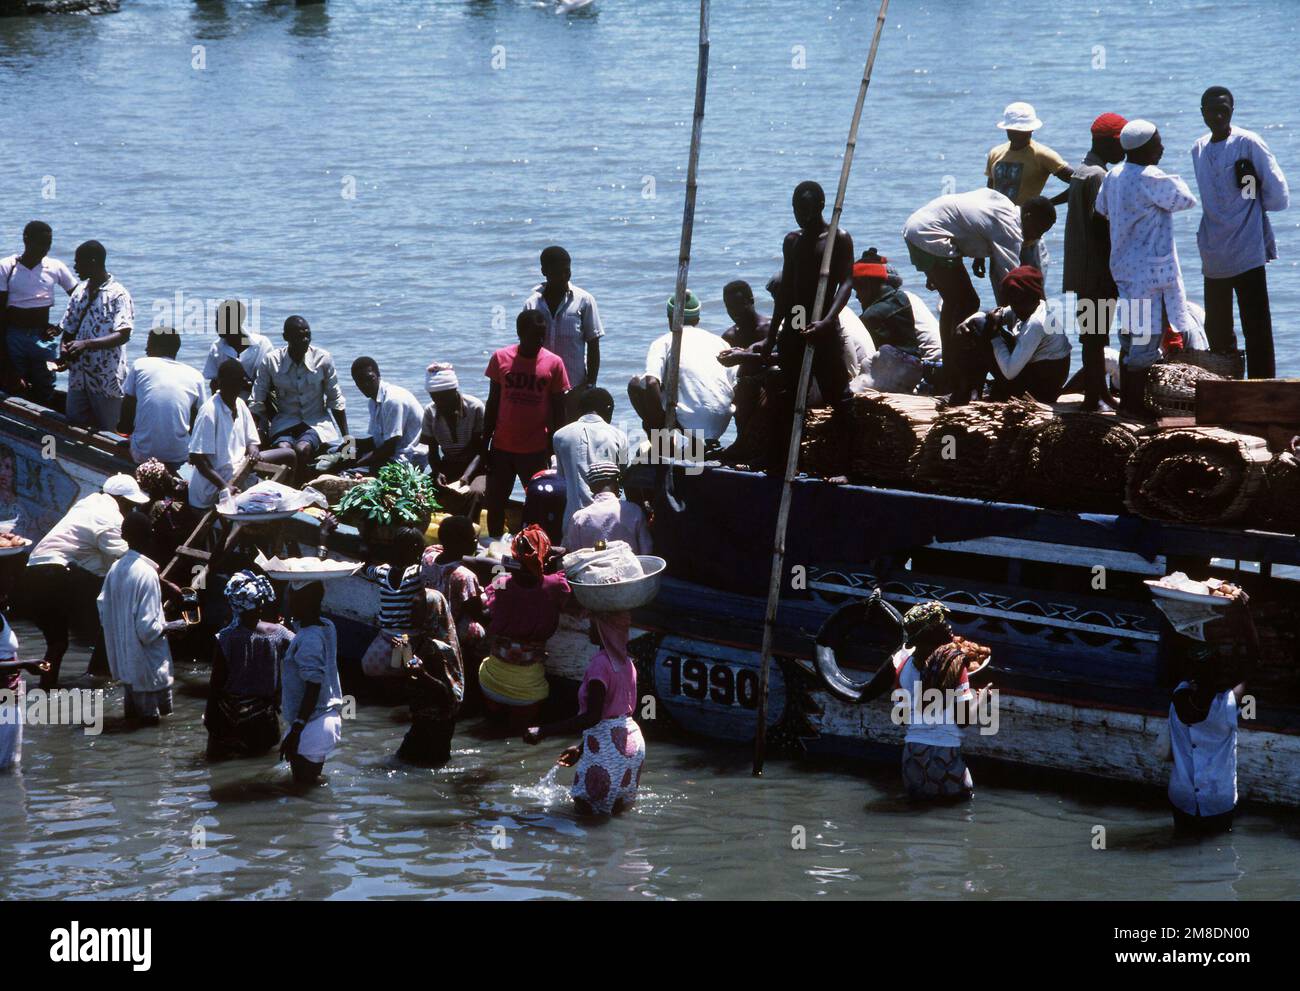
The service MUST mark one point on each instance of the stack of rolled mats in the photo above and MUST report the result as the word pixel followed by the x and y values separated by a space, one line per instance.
pixel 1204 475
pixel 970 450
pixel 1074 461
pixel 882 435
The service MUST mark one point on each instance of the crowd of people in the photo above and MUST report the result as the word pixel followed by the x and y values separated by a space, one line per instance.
pixel 547 424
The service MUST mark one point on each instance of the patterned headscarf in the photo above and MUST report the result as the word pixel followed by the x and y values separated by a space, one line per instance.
pixel 925 617
pixel 530 547
pixel 247 592
pixel 153 477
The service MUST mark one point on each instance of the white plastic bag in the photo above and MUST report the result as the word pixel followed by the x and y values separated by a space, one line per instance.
pixel 616 563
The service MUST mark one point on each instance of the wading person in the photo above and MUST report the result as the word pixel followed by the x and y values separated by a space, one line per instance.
pixel 452 431
pixel 1203 739
pixel 523 613
pixel 161 398
pixel 244 688
pixel 705 388
pixel 27 284
pixel 1139 201
pixel 395 418
pixel 66 570
pixel 573 328
pixel 607 517
pixel 135 630
pixel 311 697
pixel 437 683
pixel 1023 345
pixel 96 327
pixel 524 409
pixel 401 588
pixel 1240 183
pixel 1087 258
pixel 982 224
pixel 443 568
pixel 223 441
pixel 234 340
pixel 13 689
pixel 300 380
pixel 590 438
pixel 607 763
pixel 1020 167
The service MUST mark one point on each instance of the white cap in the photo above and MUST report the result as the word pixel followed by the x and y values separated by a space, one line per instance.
pixel 1019 117
pixel 1136 133
pixel 125 487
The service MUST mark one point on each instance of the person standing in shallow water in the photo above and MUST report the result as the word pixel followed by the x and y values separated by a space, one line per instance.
pixel 310 694
pixel 607 763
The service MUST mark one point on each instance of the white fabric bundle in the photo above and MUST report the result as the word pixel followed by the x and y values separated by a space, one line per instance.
pixel 616 563
pixel 273 497
pixel 889 370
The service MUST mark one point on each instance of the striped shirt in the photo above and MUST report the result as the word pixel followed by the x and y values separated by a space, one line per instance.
pixel 396 604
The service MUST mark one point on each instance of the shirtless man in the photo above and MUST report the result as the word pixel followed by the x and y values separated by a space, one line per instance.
pixel 792 323
pixel 748 328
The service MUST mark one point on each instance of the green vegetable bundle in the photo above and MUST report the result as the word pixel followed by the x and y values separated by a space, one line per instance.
pixel 398 495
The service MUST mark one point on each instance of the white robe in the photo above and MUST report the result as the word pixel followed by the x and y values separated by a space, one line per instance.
pixel 130 610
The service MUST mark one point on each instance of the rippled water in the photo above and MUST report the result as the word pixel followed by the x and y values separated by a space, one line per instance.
pixel 227 180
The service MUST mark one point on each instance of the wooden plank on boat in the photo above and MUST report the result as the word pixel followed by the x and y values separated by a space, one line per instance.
pixel 1048 553
pixel 1248 401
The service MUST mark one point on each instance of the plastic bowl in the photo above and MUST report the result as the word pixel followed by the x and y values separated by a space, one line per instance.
pixel 623 596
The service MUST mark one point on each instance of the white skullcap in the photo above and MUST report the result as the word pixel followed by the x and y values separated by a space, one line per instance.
pixel 440 376
pixel 1136 133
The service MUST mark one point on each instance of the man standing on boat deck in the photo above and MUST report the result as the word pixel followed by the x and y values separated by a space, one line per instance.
pixel 1139 201
pixel 235 341
pixel 68 565
pixel 224 438
pixel 794 322
pixel 590 438
pixel 573 328
pixel 1240 182
pixel 96 327
pixel 161 398
pixel 981 224
pixel 395 417
pixel 27 284
pixel 135 630
pixel 303 384
pixel 1087 258
pixel 524 409
pixel 1019 167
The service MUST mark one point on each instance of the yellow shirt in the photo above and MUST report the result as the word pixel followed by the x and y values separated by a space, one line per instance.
pixel 1020 175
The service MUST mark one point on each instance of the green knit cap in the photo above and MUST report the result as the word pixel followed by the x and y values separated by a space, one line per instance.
pixel 692 306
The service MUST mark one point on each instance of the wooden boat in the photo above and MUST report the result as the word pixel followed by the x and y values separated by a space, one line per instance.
pixel 1082 656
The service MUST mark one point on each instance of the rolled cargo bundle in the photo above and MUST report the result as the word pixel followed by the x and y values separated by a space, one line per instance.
pixel 1204 475
pixel 1280 503
pixel 1075 461
pixel 884 434
pixel 972 450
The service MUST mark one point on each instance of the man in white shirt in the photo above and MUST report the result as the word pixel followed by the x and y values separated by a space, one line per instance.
pixel 303 384
pixel 395 419
pixel 589 439
pixel 135 630
pixel 68 565
pixel 1139 202
pixel 27 284
pixel 96 327
pixel 224 439
pixel 236 341
pixel 161 398
pixel 607 517
pixel 573 328
pixel 705 388
pixel 1240 182
pixel 982 224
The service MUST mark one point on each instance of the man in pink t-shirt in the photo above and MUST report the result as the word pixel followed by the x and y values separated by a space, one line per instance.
pixel 525 407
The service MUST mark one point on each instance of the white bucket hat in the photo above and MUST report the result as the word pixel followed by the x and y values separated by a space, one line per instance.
pixel 1019 117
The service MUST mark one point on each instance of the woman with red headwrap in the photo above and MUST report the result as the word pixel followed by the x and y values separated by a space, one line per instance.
pixel 524 612
pixel 609 758
pixel 1023 345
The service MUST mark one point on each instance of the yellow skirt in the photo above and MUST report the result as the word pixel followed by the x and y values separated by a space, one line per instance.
pixel 513 684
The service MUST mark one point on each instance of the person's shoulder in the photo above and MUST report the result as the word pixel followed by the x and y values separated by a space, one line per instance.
pixel 113 289
pixel 581 295
pixel 1046 151
pixel 547 357
pixel 997 151
pixel 472 402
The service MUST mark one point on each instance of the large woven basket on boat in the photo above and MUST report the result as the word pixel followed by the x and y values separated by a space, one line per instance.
pixel 1074 461
pixel 1171 387
pixel 1279 508
pixel 1204 475
pixel 883 433
pixel 1229 366
pixel 972 450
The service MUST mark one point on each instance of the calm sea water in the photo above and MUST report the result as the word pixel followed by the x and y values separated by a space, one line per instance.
pixel 227 181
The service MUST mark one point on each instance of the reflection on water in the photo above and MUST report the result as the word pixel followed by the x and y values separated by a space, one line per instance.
pixel 140 814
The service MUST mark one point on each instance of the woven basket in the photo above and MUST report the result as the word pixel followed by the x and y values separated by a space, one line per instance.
pixel 1228 366
pixel 1171 387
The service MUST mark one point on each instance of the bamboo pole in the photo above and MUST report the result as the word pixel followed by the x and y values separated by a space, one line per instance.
pixel 800 402
pixel 688 221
